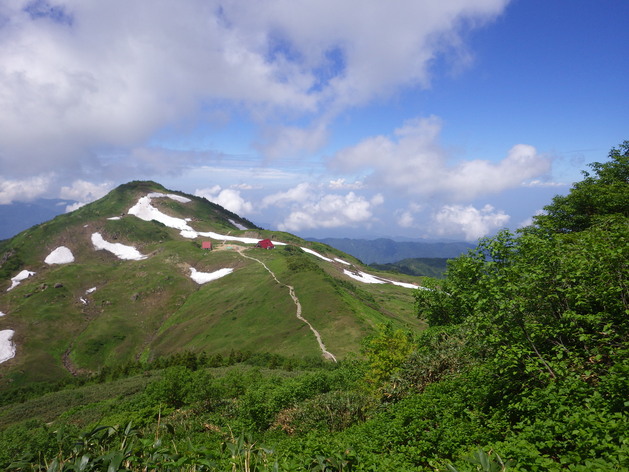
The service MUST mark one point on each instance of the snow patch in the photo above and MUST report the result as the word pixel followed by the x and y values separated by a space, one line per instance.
pixel 83 300
pixel 15 281
pixel 90 290
pixel 172 196
pixel 119 250
pixel 2 314
pixel 61 255
pixel 363 277
pixel 404 284
pixel 113 218
pixel 237 225
pixel 372 279
pixel 7 347
pixel 341 261
pixel 310 251
pixel 224 237
pixel 204 277
pixel 147 212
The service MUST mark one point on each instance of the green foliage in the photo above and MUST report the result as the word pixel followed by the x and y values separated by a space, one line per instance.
pixel 604 192
pixel 10 263
pixel 481 461
pixel 525 367
pixel 386 351
pixel 333 411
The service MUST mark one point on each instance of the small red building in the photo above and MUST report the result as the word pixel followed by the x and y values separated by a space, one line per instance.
pixel 265 244
pixel 206 245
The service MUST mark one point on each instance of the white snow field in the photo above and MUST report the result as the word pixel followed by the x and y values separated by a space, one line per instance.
pixel 15 281
pixel 3 314
pixel 147 212
pixel 205 277
pixel 237 225
pixel 341 261
pixel 314 253
pixel 61 255
pixel 7 347
pixel 119 250
pixel 363 277
pixel 372 279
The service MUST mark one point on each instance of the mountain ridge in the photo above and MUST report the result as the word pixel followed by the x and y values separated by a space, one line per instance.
pixel 129 292
pixel 386 250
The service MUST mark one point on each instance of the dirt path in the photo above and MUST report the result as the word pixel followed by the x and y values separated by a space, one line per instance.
pixel 326 354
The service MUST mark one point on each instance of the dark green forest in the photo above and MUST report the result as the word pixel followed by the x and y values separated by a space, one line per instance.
pixel 524 367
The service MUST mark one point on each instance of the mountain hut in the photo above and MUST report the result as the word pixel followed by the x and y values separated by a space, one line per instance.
pixel 265 244
pixel 206 245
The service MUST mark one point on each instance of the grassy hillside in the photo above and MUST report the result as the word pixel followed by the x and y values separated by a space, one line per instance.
pixel 422 266
pixel 101 310
pixel 524 367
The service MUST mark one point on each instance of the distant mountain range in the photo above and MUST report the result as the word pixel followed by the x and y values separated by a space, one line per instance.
pixel 383 250
pixel 18 216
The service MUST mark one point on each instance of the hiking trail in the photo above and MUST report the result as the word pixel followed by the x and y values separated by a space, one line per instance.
pixel 326 354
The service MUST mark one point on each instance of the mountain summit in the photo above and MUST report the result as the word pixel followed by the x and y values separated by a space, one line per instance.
pixel 146 272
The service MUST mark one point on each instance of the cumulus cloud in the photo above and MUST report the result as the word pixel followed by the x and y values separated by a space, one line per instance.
pixel 23 190
pixel 331 211
pixel 78 78
pixel 469 221
pixel 414 162
pixel 342 184
pixel 85 191
pixel 405 218
pixel 310 207
pixel 74 206
pixel 228 198
pixel 298 194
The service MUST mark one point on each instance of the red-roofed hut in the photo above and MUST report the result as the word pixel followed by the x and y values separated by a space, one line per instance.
pixel 206 245
pixel 265 244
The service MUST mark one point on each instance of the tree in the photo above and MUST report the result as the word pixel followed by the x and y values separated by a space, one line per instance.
pixel 605 191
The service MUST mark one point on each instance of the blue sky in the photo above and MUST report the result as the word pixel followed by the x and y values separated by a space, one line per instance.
pixel 413 119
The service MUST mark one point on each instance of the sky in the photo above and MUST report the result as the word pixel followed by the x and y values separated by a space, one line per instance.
pixel 323 118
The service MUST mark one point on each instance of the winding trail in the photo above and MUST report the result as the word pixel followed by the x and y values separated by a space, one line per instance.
pixel 326 354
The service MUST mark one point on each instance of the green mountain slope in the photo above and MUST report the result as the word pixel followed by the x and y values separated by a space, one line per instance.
pixel 103 310
pixel 424 266
pixel 383 251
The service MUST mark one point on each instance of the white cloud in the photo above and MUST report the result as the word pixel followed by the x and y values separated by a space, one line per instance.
pixel 543 183
pixel 227 198
pixel 329 212
pixel 91 76
pixel 311 208
pixel 342 184
pixel 469 221
pixel 24 189
pixel 75 206
pixel 415 163
pixel 84 191
pixel 405 218
pixel 298 194
pixel 529 221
